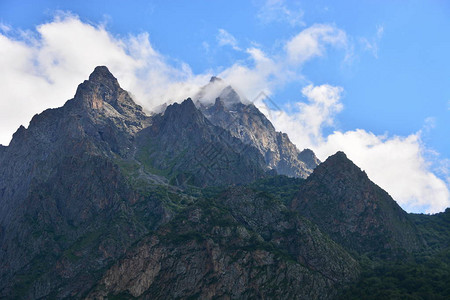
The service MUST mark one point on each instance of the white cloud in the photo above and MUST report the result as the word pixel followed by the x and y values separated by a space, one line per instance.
pixel 311 42
pixel 224 38
pixel 278 11
pixel 42 69
pixel 267 73
pixel 264 73
pixel 397 164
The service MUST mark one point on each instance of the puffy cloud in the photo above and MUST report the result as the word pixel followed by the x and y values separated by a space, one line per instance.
pixel 225 38
pixel 42 69
pixel 61 54
pixel 265 73
pixel 311 42
pixel 397 164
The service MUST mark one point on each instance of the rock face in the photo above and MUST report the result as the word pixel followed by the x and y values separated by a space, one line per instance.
pixel 244 245
pixel 245 122
pixel 354 211
pixel 60 189
pixel 183 145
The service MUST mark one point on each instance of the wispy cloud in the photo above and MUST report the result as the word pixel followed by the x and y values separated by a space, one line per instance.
pixel 372 44
pixel 224 38
pixel 278 11
pixel 5 28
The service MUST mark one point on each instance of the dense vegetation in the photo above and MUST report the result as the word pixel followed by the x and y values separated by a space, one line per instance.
pixel 425 277
pixel 280 187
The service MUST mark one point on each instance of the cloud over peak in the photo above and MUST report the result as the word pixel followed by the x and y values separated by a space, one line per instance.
pixel 397 164
pixel 52 60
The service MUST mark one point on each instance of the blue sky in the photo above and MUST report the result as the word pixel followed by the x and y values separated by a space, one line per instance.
pixel 378 75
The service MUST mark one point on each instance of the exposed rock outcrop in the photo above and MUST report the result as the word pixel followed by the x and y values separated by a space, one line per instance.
pixel 245 122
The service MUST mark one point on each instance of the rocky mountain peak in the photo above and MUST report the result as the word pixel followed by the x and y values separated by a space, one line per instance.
pixel 214 79
pixel 339 166
pixel 102 87
pixel 230 96
pixel 101 74
pixel 184 112
pixel 102 97
pixel 244 121
pixel 219 105
pixel 309 158
pixel 218 88
pixel 185 107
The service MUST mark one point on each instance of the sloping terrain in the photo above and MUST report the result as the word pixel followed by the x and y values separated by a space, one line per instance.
pixel 98 199
pixel 241 244
pixel 355 212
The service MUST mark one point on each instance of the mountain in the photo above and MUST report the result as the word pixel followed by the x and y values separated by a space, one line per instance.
pixel 183 145
pixel 61 189
pixel 86 181
pixel 244 121
pixel 356 213
pixel 100 200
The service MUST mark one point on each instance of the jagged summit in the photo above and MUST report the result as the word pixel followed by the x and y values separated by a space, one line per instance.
pixel 101 87
pixel 102 94
pixel 103 75
pixel 339 163
pixel 183 114
pixel 218 88
pixel 309 158
pixel 187 104
pixel 224 107
pixel 214 79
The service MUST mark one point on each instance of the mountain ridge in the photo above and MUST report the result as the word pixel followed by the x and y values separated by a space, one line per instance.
pixel 247 123
pixel 97 199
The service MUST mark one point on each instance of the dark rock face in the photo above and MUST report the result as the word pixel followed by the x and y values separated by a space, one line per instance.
pixel 60 186
pixel 354 211
pixel 247 123
pixel 186 147
pixel 242 246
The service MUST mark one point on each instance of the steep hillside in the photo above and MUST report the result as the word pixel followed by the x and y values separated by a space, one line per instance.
pixel 184 146
pixel 241 245
pixel 354 211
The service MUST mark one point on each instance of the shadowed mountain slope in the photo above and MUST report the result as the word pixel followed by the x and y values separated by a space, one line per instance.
pixel 354 211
